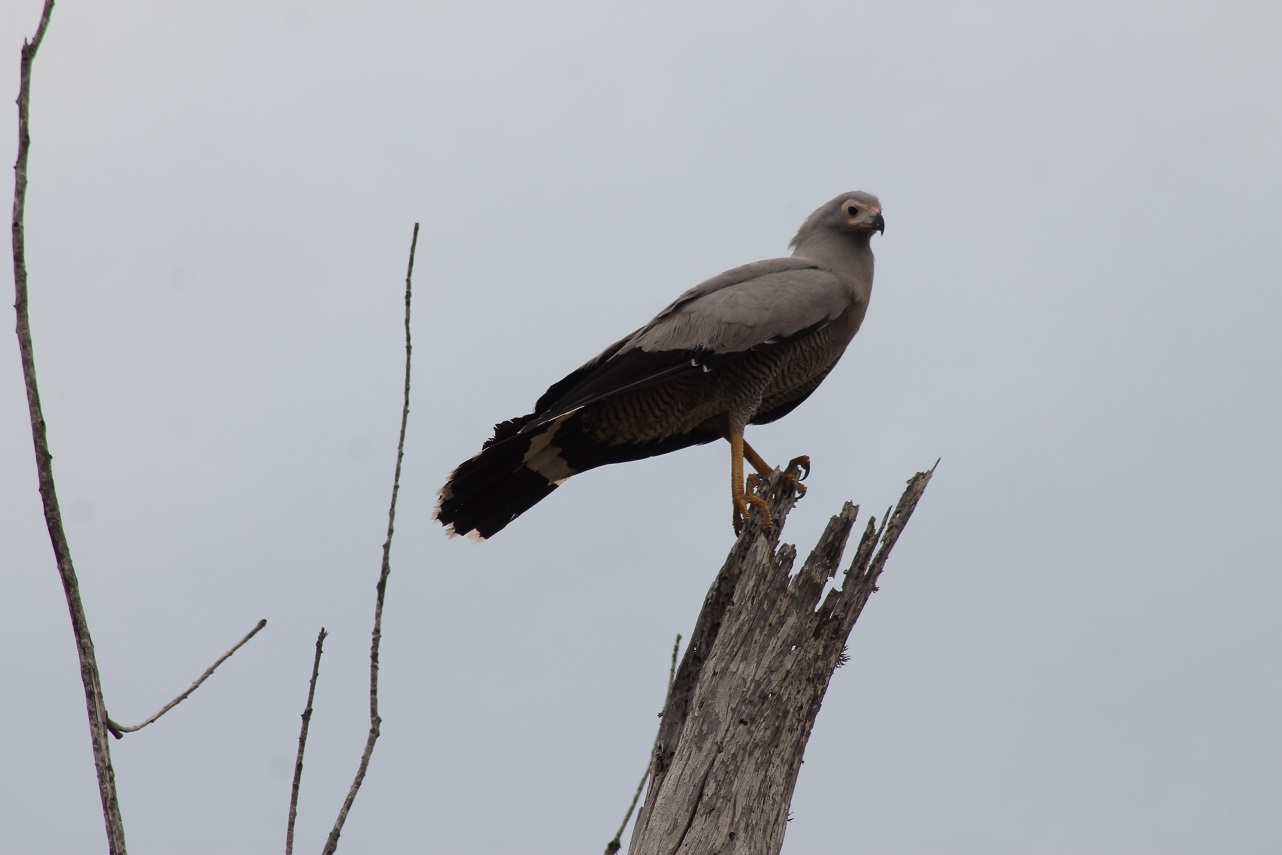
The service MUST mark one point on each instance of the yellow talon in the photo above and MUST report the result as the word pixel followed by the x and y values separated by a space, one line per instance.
pixel 741 505
pixel 798 469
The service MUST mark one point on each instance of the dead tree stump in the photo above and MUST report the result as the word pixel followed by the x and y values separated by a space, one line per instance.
pixel 748 689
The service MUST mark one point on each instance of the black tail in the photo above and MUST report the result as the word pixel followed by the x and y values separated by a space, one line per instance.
pixel 515 470
pixel 487 492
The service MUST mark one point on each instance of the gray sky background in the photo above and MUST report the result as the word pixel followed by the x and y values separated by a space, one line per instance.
pixel 1076 646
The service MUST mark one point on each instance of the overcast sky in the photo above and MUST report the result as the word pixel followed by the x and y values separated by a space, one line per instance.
pixel 1076 647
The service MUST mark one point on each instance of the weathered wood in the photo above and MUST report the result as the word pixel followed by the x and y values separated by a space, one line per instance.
pixel 748 690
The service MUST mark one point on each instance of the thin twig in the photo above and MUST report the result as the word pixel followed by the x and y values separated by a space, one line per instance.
pixel 331 844
pixel 302 743
pixel 616 844
pixel 119 730
pixel 89 676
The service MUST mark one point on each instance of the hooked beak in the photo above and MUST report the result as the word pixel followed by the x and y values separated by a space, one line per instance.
pixel 879 223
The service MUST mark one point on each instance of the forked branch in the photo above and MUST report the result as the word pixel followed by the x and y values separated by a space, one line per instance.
pixel 89 676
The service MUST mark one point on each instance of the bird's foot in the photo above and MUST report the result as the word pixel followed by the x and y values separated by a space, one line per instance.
pixel 798 470
pixel 741 505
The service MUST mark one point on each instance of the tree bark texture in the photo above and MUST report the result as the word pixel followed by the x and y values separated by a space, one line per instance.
pixel 749 687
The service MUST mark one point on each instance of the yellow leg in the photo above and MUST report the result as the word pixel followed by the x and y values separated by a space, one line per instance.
pixel 722 426
pixel 763 468
pixel 798 467
pixel 740 497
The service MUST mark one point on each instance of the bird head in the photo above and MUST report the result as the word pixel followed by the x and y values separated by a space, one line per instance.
pixel 856 213
pixel 862 213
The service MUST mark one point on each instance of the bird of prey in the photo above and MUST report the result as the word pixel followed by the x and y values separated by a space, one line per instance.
pixel 745 347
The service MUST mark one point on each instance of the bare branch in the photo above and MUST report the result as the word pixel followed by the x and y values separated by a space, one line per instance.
pixel 119 730
pixel 616 843
pixel 331 844
pixel 89 676
pixel 302 743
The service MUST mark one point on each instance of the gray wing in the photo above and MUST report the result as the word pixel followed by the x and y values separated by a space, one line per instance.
pixel 749 308
pixel 745 308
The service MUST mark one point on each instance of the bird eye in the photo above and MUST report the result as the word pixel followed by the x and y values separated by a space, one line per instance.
pixel 852 210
